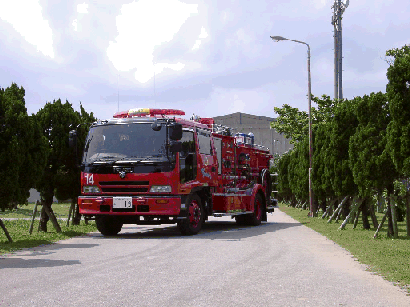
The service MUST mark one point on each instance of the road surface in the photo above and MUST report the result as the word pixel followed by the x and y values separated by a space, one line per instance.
pixel 280 263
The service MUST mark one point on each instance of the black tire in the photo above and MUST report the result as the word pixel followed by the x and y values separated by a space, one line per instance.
pixel 193 223
pixel 241 219
pixel 255 218
pixel 108 225
pixel 265 181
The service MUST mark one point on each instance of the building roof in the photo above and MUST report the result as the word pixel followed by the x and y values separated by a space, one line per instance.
pixel 248 117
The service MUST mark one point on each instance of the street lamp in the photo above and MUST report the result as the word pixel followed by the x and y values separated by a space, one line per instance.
pixel 277 39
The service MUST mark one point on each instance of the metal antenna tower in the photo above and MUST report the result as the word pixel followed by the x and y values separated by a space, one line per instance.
pixel 118 92
pixel 155 101
pixel 338 9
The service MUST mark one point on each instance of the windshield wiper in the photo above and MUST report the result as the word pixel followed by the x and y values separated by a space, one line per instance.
pixel 104 160
pixel 147 159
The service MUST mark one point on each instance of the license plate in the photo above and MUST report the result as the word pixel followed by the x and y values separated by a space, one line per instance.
pixel 122 202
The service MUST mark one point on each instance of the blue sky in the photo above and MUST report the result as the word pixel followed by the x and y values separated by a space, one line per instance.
pixel 210 58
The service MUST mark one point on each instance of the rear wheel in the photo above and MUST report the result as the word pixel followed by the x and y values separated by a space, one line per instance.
pixel 108 225
pixel 193 224
pixel 265 180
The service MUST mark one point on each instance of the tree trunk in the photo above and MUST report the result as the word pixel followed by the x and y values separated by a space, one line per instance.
pixel 408 213
pixel 53 218
pixel 5 231
pixel 323 205
pixel 365 213
pixel 47 214
pixel 77 215
pixel 70 213
pixel 380 202
pixel 390 231
pixel 394 219
pixel 332 205
pixel 345 209
pixel 373 216
pixel 381 224
pixel 30 231
pixel 356 219
pixel 47 201
pixel 338 209
pixel 329 209
pixel 315 205
pixel 400 208
pixel 293 202
pixel 355 207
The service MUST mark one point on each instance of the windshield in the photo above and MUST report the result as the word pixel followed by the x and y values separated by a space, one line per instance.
pixel 134 141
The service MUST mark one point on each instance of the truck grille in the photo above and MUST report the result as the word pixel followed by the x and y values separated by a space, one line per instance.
pixel 124 186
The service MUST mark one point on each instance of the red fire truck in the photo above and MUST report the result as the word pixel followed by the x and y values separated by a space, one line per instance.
pixel 149 166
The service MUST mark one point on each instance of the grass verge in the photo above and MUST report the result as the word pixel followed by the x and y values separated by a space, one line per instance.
pixel 385 256
pixel 26 211
pixel 19 232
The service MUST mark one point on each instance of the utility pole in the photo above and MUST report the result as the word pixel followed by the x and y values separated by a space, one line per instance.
pixel 338 10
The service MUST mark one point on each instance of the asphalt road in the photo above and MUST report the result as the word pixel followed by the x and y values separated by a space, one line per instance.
pixel 280 263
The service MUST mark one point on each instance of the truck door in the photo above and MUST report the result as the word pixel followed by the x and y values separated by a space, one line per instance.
pixel 187 157
pixel 207 163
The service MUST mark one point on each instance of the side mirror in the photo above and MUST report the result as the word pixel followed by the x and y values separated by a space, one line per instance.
pixel 72 139
pixel 175 132
pixel 156 126
pixel 176 147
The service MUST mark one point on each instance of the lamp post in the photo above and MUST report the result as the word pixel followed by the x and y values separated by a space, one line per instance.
pixel 277 39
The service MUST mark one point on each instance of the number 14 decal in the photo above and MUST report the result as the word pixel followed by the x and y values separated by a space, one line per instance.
pixel 89 178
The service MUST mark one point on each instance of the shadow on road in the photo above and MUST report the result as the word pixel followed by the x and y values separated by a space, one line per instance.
pixel 211 230
pixel 9 261
pixel 14 263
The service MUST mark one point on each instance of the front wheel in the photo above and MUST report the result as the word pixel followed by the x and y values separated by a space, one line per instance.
pixel 255 218
pixel 193 223
pixel 108 225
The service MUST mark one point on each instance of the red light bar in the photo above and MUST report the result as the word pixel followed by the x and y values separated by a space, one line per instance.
pixel 122 114
pixel 147 112
pixel 166 112
pixel 206 121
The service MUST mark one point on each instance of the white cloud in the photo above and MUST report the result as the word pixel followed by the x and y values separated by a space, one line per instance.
pixel 243 41
pixel 197 44
pixel 75 25
pixel 142 26
pixel 161 66
pixel 243 37
pixel 82 8
pixel 323 69
pixel 351 77
pixel 202 35
pixel 226 101
pixel 26 18
pixel 146 72
pixel 227 16
pixel 319 4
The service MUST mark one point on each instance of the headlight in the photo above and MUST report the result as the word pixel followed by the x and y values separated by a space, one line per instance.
pixel 91 189
pixel 160 189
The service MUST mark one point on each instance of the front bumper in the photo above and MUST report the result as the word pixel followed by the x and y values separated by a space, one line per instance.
pixel 141 205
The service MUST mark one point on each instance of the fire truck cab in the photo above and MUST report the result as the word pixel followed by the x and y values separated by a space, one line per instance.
pixel 148 166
